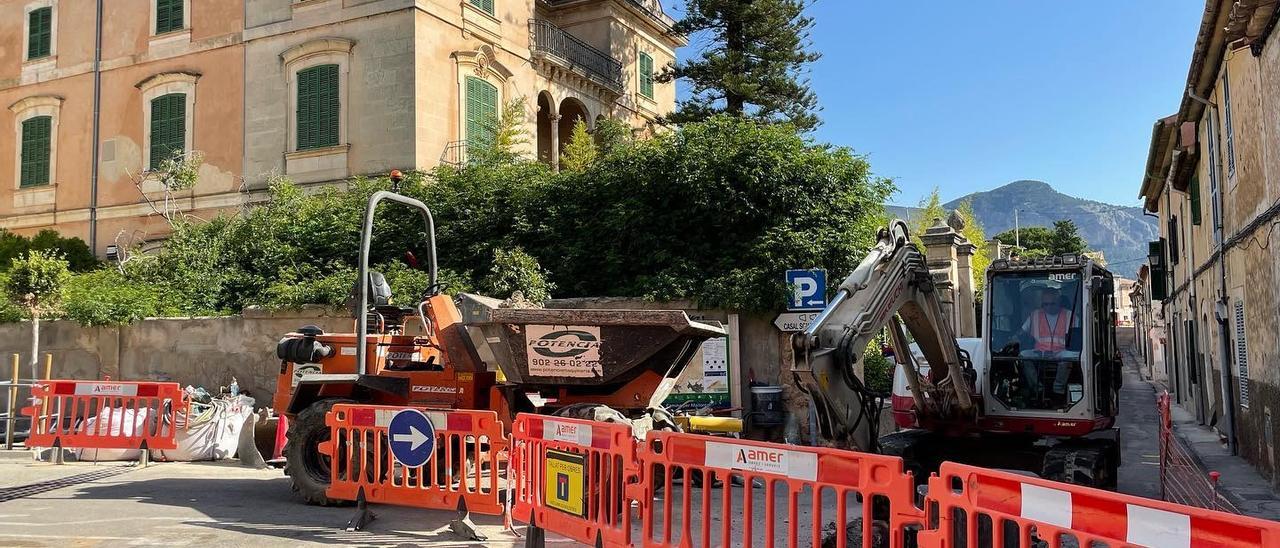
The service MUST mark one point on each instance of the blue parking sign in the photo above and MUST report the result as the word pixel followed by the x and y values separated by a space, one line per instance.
pixel 807 289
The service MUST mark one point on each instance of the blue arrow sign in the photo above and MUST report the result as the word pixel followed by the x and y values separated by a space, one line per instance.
pixel 413 438
pixel 807 288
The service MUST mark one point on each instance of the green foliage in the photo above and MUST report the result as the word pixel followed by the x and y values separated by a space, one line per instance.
pixel 74 250
pixel 754 65
pixel 977 236
pixel 36 279
pixel 1037 241
pixel 877 369
pixel 107 297
pixel 510 136
pixel 179 171
pixel 9 312
pixel 514 270
pixel 611 133
pixel 580 152
pixel 930 210
pixel 715 212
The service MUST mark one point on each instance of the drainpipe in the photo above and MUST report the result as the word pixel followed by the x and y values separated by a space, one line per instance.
pixel 97 110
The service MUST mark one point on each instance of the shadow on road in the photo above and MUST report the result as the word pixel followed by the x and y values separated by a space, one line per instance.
pixel 267 507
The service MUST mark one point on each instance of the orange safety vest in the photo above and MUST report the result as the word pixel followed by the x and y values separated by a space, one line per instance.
pixel 1050 340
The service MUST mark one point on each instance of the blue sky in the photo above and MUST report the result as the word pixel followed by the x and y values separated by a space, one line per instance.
pixel 969 95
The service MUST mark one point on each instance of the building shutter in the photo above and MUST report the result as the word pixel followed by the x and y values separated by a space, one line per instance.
pixel 40 33
pixel 168 128
pixel 646 75
pixel 168 16
pixel 1242 354
pixel 484 5
pixel 1159 274
pixel 35 151
pixel 319 108
pixel 1195 200
pixel 482 112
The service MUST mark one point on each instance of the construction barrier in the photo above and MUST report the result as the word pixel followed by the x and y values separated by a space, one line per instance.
pixel 973 506
pixel 728 492
pixel 105 414
pixel 463 470
pixel 1182 479
pixel 575 478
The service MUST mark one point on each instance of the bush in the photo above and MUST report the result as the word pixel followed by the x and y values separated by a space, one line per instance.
pixel 77 254
pixel 106 297
pixel 877 369
pixel 513 271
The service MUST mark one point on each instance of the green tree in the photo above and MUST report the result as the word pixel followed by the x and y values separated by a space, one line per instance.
pixel 510 136
pixel 74 250
pixel 928 210
pixel 514 270
pixel 754 66
pixel 35 283
pixel 611 133
pixel 107 297
pixel 580 151
pixel 974 232
pixel 1066 238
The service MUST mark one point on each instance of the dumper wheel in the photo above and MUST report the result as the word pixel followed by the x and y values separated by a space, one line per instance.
pixel 308 470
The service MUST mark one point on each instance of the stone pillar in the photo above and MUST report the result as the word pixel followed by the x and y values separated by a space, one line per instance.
pixel 997 250
pixel 940 249
pixel 968 319
pixel 555 142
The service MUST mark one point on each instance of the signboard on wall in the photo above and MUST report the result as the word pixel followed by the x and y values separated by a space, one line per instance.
pixel 706 380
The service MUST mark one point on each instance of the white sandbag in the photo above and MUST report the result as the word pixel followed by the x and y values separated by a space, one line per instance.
pixel 210 435
pixel 121 421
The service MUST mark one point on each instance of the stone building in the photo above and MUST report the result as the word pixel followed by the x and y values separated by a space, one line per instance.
pixel 1213 179
pixel 314 90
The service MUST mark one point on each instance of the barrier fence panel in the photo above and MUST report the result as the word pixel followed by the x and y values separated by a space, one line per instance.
pixel 575 478
pixel 465 465
pixel 978 507
pixel 105 414
pixel 709 491
pixel 1182 479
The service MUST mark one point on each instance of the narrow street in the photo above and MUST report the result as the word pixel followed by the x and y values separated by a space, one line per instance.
pixel 1139 423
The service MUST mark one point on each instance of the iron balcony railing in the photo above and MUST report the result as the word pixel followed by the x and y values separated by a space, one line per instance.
pixel 455 154
pixel 553 41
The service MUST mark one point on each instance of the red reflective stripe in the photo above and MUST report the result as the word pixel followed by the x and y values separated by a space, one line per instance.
pixel 148 390
pixel 1211 531
pixel 64 388
pixel 458 421
pixel 999 494
pixel 601 439
pixel 363 416
pixel 1098 515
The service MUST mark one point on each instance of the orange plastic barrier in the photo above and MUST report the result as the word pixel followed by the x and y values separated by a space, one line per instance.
pixel 465 465
pixel 729 492
pixel 1182 479
pixel 105 414
pixel 980 507
pixel 575 478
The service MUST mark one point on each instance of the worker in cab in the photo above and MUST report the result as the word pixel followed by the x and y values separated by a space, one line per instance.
pixel 1050 327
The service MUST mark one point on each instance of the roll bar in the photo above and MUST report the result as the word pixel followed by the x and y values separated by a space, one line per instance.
pixel 366 236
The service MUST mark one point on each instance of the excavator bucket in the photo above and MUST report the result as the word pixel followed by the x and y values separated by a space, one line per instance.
pixel 582 349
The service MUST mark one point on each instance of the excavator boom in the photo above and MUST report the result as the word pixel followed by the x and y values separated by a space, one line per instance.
pixel 891 287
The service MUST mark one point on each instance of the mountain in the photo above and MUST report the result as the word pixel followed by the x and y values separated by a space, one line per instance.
pixel 1120 232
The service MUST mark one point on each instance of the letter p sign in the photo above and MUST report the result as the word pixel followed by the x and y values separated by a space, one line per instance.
pixel 807 289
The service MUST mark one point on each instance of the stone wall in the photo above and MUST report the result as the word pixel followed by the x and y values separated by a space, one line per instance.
pixel 197 351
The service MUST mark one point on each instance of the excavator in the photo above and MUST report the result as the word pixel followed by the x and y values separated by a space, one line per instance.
pixel 1037 392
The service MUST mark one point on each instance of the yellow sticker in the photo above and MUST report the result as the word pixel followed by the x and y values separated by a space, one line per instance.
pixel 565 482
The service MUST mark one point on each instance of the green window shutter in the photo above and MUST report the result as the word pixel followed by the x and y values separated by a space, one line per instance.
pixel 1195 200
pixel 36 135
pixel 484 5
pixel 168 128
pixel 168 15
pixel 646 75
pixel 40 33
pixel 482 112
pixel 319 109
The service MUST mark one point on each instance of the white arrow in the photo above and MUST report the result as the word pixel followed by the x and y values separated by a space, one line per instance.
pixel 415 438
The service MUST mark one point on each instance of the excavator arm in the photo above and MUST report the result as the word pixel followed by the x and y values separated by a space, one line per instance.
pixel 891 287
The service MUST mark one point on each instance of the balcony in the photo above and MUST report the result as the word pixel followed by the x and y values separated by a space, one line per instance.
pixel 554 44
pixel 651 8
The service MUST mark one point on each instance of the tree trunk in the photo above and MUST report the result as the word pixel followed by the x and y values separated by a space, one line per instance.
pixel 735 43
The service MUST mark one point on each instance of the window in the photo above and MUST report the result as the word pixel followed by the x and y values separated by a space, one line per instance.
pixel 1215 169
pixel 646 74
pixel 39 33
pixel 482 112
pixel 1226 112
pixel 318 107
pixel 1242 354
pixel 168 128
pixel 170 15
pixel 1195 200
pixel 484 5
pixel 36 139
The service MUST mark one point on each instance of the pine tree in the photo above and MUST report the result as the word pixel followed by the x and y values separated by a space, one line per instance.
pixel 580 151
pixel 755 65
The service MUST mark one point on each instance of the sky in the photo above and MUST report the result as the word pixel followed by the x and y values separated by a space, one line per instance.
pixel 966 96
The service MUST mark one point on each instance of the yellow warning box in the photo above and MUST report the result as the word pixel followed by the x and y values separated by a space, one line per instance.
pixel 566 480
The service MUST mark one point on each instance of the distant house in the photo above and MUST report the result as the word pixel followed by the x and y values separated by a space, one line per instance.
pixel 1213 178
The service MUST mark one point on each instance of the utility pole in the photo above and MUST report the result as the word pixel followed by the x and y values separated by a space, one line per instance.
pixel 1017 240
